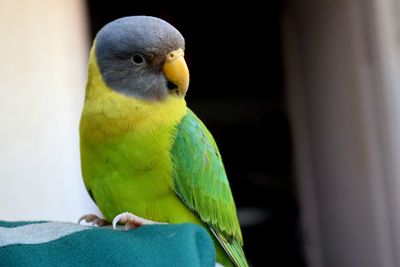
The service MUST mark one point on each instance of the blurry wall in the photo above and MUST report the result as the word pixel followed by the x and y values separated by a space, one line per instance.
pixel 343 80
pixel 43 55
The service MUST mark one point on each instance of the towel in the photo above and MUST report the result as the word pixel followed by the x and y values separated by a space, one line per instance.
pixel 45 243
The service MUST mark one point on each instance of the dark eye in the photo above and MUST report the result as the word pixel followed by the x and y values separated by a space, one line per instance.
pixel 137 59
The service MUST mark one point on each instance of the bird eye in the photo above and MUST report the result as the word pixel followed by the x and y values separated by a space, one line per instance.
pixel 137 59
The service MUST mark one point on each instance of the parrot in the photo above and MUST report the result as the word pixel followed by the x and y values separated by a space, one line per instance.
pixel 145 156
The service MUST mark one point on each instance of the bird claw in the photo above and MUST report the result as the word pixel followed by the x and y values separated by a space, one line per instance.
pixel 131 221
pixel 94 220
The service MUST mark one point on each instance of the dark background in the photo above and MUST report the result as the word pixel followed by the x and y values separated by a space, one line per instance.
pixel 237 88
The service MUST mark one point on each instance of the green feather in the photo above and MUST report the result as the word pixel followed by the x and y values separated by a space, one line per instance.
pixel 158 161
pixel 200 181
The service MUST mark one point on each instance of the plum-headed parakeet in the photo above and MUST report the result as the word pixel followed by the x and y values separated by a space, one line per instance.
pixel 142 150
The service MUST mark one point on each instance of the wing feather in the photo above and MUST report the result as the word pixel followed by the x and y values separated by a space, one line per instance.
pixel 201 182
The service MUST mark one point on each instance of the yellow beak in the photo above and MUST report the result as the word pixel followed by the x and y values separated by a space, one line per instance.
pixel 176 70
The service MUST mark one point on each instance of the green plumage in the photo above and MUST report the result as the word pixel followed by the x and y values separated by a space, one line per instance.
pixel 200 180
pixel 144 151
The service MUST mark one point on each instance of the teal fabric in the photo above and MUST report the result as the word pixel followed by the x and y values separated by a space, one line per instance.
pixel 67 244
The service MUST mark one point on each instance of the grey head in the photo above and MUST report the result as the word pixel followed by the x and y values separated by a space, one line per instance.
pixel 130 53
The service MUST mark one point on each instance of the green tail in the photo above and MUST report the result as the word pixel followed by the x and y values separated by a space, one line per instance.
pixel 233 248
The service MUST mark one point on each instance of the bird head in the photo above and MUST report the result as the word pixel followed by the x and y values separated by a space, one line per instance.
pixel 142 57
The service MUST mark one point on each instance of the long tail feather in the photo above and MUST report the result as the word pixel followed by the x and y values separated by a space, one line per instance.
pixel 233 249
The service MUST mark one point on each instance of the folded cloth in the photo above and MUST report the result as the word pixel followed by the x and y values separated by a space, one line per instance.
pixel 69 244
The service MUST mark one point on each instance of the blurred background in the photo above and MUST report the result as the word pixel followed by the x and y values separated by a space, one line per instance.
pixel 302 97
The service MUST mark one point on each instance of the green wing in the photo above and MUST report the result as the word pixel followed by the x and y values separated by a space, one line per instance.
pixel 200 181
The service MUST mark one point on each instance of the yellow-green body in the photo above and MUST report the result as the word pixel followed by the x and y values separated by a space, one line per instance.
pixel 112 125
pixel 126 157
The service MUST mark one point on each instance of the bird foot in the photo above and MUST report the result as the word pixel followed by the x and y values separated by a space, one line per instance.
pixel 94 220
pixel 131 221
